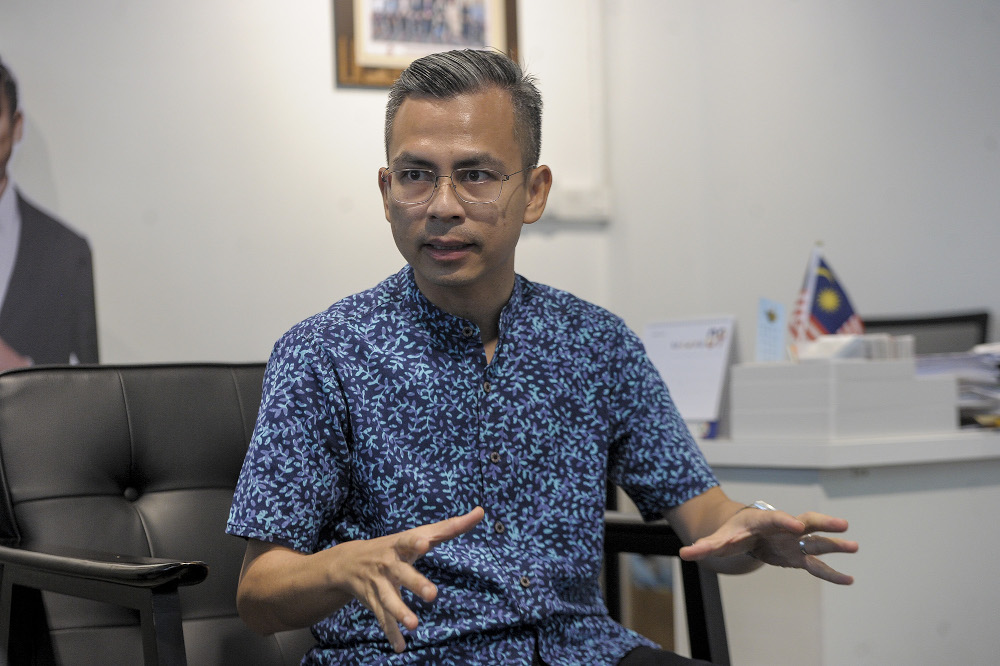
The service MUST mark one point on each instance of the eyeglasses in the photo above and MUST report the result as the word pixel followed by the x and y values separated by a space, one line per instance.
pixel 416 186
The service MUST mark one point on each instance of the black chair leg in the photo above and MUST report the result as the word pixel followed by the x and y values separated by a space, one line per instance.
pixel 706 631
pixel 24 636
pixel 162 636
pixel 612 587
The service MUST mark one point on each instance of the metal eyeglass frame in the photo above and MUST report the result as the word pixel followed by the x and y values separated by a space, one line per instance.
pixel 504 177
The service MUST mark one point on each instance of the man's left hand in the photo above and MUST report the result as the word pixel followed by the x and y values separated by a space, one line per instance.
pixel 779 539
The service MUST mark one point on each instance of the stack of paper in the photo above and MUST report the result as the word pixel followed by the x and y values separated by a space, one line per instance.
pixel 834 399
pixel 978 375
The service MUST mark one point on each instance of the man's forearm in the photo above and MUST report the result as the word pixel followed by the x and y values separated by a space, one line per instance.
pixel 281 589
pixel 703 515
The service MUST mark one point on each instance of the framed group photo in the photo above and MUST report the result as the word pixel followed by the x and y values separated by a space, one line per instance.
pixel 376 39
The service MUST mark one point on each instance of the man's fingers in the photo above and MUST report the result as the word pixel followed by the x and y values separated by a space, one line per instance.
pixel 453 527
pixel 408 577
pixel 390 567
pixel 813 544
pixel 386 621
pixel 732 537
pixel 414 544
pixel 392 633
pixel 391 611
pixel 824 571
pixel 713 546
pixel 819 522
pixel 384 597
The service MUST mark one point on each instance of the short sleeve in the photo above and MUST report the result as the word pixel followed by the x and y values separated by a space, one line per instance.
pixel 654 458
pixel 295 475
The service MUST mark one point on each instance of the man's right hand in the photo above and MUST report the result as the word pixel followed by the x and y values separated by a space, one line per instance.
pixel 281 588
pixel 376 570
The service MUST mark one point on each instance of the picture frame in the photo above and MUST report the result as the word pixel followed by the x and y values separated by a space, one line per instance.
pixel 375 40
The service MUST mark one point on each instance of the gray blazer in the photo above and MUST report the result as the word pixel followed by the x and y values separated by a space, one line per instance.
pixel 49 312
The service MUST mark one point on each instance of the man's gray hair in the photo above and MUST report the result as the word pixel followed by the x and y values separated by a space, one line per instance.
pixel 452 73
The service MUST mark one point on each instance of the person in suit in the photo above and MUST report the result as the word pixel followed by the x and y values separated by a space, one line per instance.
pixel 47 308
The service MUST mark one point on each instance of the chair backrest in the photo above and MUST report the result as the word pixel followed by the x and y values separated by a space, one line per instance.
pixel 936 333
pixel 137 460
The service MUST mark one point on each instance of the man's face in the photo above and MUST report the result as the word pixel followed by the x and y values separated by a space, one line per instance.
pixel 10 134
pixel 458 249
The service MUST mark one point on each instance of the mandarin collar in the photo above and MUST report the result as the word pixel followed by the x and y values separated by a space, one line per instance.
pixel 448 326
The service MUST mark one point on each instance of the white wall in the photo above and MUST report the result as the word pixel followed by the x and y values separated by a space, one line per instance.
pixel 773 124
pixel 228 187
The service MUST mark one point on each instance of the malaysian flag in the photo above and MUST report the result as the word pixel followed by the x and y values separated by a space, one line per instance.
pixel 823 307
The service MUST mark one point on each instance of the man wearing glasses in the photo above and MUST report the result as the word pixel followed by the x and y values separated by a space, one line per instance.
pixel 426 481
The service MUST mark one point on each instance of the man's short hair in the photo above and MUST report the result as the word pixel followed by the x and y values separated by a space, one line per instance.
pixel 451 73
pixel 8 88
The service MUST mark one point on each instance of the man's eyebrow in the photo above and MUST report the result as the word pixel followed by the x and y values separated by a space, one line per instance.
pixel 407 160
pixel 483 161
pixel 411 161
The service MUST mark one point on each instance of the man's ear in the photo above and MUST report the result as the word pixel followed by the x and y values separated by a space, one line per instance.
pixel 18 126
pixel 383 186
pixel 539 183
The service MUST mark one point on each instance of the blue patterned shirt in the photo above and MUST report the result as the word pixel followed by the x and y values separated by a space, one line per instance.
pixel 381 414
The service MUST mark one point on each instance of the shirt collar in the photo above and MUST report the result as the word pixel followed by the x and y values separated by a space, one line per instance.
pixel 448 325
pixel 9 214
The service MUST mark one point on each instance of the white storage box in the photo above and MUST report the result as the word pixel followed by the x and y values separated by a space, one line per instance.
pixel 838 398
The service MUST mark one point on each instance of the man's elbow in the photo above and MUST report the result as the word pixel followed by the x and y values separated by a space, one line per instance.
pixel 254 615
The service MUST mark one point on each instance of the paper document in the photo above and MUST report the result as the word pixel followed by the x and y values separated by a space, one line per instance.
pixel 693 356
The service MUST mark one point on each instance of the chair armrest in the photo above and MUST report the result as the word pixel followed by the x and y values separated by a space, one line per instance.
pixel 629 533
pixel 125 570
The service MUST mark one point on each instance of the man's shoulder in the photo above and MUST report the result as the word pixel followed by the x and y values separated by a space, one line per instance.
pixel 36 221
pixel 560 304
pixel 352 315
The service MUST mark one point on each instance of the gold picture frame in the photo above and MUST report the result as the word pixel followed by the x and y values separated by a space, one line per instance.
pixel 374 40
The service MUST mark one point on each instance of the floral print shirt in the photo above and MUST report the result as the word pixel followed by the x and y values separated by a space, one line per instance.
pixel 381 414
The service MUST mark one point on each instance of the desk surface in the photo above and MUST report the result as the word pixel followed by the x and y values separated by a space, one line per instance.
pixel 962 445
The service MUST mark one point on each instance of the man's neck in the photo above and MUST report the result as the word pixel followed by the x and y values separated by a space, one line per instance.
pixel 482 309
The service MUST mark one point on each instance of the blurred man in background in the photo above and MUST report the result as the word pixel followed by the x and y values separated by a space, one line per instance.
pixel 47 311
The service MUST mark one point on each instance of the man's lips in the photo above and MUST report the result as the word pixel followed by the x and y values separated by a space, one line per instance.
pixel 444 250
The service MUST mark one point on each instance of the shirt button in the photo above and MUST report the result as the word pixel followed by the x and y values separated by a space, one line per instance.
pixel 495 458
pixel 499 528
pixel 487 387
pixel 525 582
pixel 468 331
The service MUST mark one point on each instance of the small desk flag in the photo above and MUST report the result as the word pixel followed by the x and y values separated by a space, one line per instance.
pixel 823 307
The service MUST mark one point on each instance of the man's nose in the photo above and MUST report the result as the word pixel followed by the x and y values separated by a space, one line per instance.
pixel 444 198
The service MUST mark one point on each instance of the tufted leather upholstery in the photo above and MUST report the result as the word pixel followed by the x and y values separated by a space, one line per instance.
pixel 137 460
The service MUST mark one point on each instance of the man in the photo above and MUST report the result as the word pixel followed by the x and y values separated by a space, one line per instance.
pixel 46 275
pixel 426 481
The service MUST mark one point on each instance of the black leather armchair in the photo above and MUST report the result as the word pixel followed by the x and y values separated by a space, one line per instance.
pixel 116 486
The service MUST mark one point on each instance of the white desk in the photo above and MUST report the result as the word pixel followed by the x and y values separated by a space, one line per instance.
pixel 925 511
